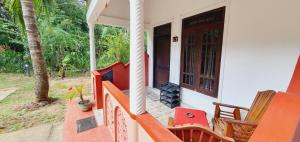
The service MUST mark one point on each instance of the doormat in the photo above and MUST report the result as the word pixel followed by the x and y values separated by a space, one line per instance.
pixel 86 124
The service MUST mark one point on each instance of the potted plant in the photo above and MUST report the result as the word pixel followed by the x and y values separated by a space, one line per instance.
pixel 74 91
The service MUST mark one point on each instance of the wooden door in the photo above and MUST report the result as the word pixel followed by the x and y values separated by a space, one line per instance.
pixel 162 44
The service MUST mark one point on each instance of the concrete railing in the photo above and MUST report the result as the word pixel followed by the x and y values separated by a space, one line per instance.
pixel 127 127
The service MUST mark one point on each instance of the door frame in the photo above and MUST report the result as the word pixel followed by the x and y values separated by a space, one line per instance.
pixel 154 83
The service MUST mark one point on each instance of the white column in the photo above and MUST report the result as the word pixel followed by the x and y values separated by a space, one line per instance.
pixel 92 47
pixel 137 63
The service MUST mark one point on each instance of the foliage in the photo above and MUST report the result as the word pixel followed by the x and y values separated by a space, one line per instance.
pixel 11 61
pixel 41 8
pixel 75 91
pixel 118 50
pixel 10 35
pixel 12 45
pixel 65 38
pixel 65 42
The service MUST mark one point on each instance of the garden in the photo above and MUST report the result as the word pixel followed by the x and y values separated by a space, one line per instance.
pixel 64 42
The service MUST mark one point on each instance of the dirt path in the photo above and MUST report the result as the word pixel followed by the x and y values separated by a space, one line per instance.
pixel 43 133
pixel 6 92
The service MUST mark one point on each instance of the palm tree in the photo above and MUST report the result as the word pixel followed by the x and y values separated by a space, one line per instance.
pixel 24 13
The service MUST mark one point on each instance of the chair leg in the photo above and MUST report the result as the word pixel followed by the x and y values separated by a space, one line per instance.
pixel 171 122
pixel 237 114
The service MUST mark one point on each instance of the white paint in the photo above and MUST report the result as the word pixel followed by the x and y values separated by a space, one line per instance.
pixel 94 10
pixel 92 47
pixel 260 46
pixel 112 12
pixel 137 60
pixel 175 52
pixel 263 44
pixel 150 52
pixel 98 113
pixel 112 21
pixel 117 9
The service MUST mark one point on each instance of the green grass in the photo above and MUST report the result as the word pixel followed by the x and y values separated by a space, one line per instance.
pixel 13 119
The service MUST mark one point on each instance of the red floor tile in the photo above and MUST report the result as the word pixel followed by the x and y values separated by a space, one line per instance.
pixel 72 114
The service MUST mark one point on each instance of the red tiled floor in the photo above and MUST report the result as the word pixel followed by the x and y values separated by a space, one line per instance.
pixel 72 114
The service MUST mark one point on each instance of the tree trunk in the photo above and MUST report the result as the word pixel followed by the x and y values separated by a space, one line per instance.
pixel 63 73
pixel 38 62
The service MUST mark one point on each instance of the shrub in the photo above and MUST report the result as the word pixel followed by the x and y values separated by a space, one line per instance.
pixel 11 61
pixel 118 50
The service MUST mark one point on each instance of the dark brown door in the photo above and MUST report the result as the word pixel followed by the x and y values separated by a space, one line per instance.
pixel 162 44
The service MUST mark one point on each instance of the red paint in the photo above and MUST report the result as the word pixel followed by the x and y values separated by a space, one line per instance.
pixel 97 91
pixel 120 79
pixel 120 74
pixel 280 121
pixel 181 118
pixel 294 86
pixel 155 129
pixel 122 99
pixel 72 114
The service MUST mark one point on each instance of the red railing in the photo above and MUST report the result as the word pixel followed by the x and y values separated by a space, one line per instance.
pixel 127 127
pixel 120 78
pixel 123 125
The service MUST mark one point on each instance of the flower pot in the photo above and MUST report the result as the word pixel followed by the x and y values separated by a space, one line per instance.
pixel 85 105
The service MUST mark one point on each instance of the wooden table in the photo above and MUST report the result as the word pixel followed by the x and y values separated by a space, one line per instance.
pixel 181 117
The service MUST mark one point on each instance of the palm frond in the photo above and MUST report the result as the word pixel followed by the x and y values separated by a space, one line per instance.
pixel 41 7
pixel 15 8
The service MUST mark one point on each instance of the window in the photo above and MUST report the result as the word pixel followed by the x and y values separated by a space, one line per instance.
pixel 201 51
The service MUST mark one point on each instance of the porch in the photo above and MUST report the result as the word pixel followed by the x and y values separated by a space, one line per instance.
pixel 118 124
pixel 154 107
pixel 212 57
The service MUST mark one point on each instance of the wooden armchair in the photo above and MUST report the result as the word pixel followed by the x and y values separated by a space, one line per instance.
pixel 230 124
pixel 196 133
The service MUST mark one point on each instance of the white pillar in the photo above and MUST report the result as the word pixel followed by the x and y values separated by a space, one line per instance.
pixel 92 47
pixel 137 63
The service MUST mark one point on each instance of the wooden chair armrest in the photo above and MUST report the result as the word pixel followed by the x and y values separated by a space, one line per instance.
pixel 231 106
pixel 240 122
pixel 240 130
pixel 204 129
pixel 171 122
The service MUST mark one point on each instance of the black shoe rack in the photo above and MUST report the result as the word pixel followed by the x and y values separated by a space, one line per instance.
pixel 170 95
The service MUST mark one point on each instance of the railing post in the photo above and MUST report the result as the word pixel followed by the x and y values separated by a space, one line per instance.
pixel 137 63
pixel 97 89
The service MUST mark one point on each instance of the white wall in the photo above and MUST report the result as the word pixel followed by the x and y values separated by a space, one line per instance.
pixel 263 46
pixel 260 47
